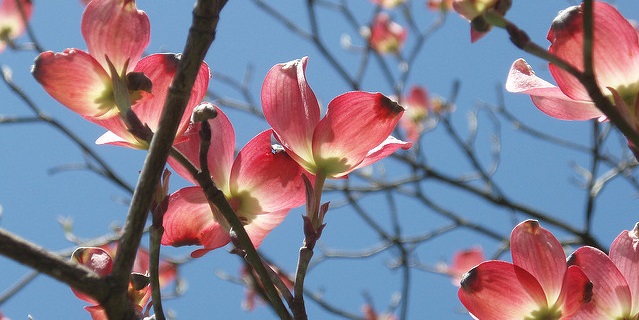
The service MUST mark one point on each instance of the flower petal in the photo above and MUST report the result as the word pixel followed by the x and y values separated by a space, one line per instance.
pixel 77 81
pixel 262 224
pixel 355 124
pixel 385 149
pixel 463 261
pixel 115 29
pixel 611 298
pixel 499 290
pixel 264 179
pixel 537 251
pixel 220 155
pixel 161 69
pixel 96 259
pixel 546 97
pixel 624 253
pixel 615 49
pixel 291 108
pixel 576 291
pixel 189 221
pixel 118 134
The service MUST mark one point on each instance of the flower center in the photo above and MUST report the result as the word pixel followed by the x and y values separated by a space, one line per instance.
pixel 545 314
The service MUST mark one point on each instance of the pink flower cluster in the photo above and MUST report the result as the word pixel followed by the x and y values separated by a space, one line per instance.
pixel 113 86
pixel 541 283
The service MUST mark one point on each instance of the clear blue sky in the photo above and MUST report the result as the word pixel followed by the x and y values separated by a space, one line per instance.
pixel 532 172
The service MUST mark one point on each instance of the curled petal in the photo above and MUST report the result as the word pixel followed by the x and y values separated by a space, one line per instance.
pixel 77 81
pixel 189 221
pixel 575 292
pixel 291 108
pixel 266 179
pixel 537 251
pixel 115 29
pixel 546 97
pixel 97 313
pixel 615 51
pixel 499 290
pixel 383 150
pixel 611 297
pixel 118 134
pixel 96 259
pixel 624 253
pixel 354 125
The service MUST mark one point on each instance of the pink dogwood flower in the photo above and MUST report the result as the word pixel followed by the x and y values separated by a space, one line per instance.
pixel 537 285
pixel 99 259
pixel 12 23
pixel 262 184
pixel 386 35
pixel 354 132
pixel 116 34
pixel 615 278
pixel 615 63
pixel 420 108
pixel 463 261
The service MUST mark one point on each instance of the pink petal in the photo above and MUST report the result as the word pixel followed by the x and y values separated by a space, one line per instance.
pixel 387 36
pixel 499 290
pixel 117 30
pixel 118 134
pixel 537 251
pixel 189 221
pixel 611 297
pixel 77 81
pixel 418 99
pixel 262 224
pixel 220 155
pixel 355 124
pixel 615 49
pixel 291 108
pixel 385 149
pixel 160 69
pixel 624 253
pixel 463 261
pixel 576 291
pixel 546 97
pixel 264 179
pixel 97 313
pixel 96 259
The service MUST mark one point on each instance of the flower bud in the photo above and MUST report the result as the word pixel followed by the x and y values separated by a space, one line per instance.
pixel 203 112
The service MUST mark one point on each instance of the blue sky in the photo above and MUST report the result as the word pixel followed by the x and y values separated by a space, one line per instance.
pixel 531 172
